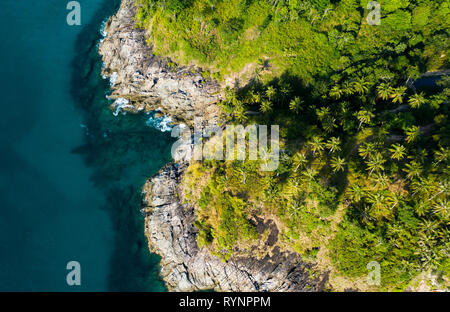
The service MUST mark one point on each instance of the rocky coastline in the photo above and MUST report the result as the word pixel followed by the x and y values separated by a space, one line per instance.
pixel 143 82
pixel 186 267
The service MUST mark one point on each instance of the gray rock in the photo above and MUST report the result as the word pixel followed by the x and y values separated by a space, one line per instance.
pixel 146 80
pixel 186 267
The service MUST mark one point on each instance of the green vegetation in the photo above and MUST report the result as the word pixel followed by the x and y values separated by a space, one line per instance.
pixel 310 39
pixel 364 170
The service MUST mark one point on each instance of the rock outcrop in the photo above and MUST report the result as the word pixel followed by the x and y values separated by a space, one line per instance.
pixel 142 81
pixel 186 267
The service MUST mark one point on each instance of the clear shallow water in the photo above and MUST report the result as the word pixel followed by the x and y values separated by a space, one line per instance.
pixel 71 172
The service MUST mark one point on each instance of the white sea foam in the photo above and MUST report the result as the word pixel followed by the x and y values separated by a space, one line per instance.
pixel 119 104
pixel 162 123
pixel 103 32
pixel 113 78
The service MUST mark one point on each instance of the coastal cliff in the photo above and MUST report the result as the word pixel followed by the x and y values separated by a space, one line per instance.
pixel 143 82
pixel 186 267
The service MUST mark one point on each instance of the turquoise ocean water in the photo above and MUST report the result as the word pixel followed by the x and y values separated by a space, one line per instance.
pixel 71 172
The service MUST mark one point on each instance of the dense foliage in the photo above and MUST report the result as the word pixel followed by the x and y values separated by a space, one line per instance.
pixel 311 39
pixel 364 172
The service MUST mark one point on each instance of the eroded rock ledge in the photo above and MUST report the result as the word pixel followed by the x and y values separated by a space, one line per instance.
pixel 185 267
pixel 143 82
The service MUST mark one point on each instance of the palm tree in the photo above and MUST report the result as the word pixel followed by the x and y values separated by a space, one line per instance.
pixel 255 97
pixel 423 185
pixel 364 116
pixel 366 150
pixel 397 94
pixel 338 164
pixel 364 214
pixel 296 105
pixel 398 151
pixel 394 232
pixel 326 12
pixel 384 91
pixel 442 208
pixel 426 242
pixel 420 157
pixel 296 208
pixel 240 114
pixel 356 193
pixel 243 173
pixel 382 180
pixel 375 163
pixel 429 226
pixel 285 90
pixel 393 199
pixel 336 92
pixel 416 100
pixel 378 201
pixel 270 92
pixel 443 154
pixel 266 106
pixel 334 145
pixel 329 124
pixel 257 77
pixel 323 113
pixel 413 170
pixel 230 95
pixel 316 144
pixel 310 173
pixel 422 208
pixel 274 3
pixel 292 189
pixel 348 88
pixel 270 193
pixel 360 85
pixel 299 160
pixel 412 133
pixel 442 187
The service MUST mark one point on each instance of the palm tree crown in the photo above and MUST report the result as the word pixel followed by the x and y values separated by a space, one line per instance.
pixel 348 88
pixel 316 144
pixel 375 163
pixel 334 144
pixel 366 150
pixel 336 92
pixel 364 116
pixel 412 133
pixel 270 92
pixel 356 193
pixel 296 105
pixel 299 160
pixel 413 170
pixel 397 94
pixel 384 91
pixel 266 106
pixel 360 85
pixel 398 151
pixel 338 164
pixel 416 100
